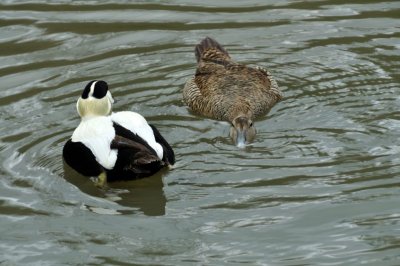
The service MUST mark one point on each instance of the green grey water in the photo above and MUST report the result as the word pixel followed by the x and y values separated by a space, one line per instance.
pixel 319 186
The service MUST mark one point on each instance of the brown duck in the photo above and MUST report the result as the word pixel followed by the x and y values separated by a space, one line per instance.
pixel 225 90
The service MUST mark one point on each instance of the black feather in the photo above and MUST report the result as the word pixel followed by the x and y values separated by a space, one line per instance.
pixel 85 163
pixel 169 155
pixel 136 158
pixel 100 89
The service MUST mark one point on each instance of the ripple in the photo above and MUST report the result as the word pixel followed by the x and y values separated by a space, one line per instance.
pixel 318 186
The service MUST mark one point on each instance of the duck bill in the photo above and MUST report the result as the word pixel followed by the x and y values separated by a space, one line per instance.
pixel 241 139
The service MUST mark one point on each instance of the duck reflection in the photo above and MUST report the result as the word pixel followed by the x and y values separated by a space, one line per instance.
pixel 145 194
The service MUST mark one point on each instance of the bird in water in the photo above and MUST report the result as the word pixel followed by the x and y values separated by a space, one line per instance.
pixel 225 90
pixel 114 146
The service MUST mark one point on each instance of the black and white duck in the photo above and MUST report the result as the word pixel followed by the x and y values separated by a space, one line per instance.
pixel 114 146
pixel 225 90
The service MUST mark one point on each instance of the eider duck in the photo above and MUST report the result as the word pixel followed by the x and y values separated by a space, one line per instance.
pixel 225 90
pixel 114 146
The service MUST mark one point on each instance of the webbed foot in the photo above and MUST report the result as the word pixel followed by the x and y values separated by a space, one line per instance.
pixel 101 180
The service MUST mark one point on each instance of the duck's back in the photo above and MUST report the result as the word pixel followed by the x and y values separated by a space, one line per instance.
pixel 222 88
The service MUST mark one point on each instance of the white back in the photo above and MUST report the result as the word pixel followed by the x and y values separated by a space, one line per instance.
pixel 137 124
pixel 96 133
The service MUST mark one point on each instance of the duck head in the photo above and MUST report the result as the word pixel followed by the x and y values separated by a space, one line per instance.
pixel 242 131
pixel 96 100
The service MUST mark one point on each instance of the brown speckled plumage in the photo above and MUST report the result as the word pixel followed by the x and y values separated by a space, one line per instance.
pixel 223 89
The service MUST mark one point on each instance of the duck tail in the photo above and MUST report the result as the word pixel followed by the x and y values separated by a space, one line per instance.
pixel 209 43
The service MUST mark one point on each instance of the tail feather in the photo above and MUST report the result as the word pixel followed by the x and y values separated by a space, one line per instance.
pixel 208 43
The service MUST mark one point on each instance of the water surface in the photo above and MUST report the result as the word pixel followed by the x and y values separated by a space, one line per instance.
pixel 319 186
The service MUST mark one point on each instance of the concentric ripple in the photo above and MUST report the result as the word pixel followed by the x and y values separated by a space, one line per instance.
pixel 319 186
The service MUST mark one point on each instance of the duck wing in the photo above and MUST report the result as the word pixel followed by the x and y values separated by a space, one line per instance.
pixel 139 153
pixel 169 155
pixel 134 154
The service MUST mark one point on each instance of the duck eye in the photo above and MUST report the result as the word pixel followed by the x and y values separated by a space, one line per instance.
pixel 251 124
